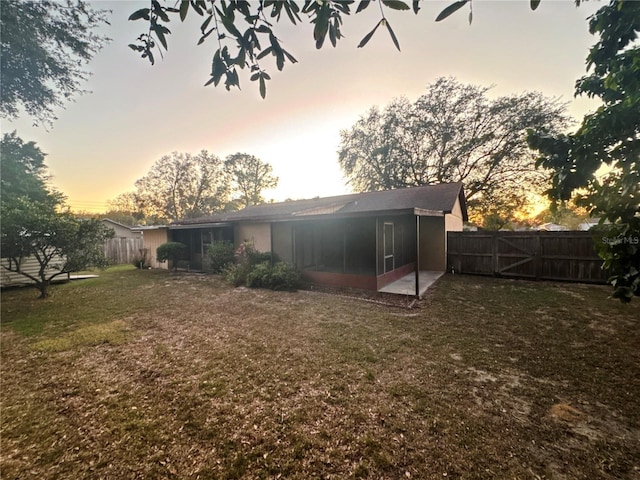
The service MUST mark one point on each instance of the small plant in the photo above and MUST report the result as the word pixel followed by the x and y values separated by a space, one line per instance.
pixel 235 274
pixel 221 255
pixel 141 260
pixel 173 252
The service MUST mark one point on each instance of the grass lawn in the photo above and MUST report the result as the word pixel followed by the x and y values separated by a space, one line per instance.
pixel 145 374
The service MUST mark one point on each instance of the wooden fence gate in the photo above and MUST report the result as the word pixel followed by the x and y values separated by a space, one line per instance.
pixel 565 256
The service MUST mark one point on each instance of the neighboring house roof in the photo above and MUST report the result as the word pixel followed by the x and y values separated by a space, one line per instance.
pixel 425 200
pixel 122 226
pixel 551 227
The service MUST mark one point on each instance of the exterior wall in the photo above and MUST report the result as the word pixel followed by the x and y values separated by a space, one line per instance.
pixel 259 234
pixel 453 221
pixel 283 241
pixel 347 280
pixel 433 254
pixel 397 274
pixel 152 239
pixel 31 266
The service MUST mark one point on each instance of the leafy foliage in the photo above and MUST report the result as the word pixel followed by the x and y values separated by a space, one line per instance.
pixel 32 226
pixel 279 276
pixel 23 171
pixel 260 270
pixel 452 133
pixel 59 242
pixel 610 136
pixel 172 252
pixel 182 185
pixel 250 176
pixel 221 255
pixel 44 47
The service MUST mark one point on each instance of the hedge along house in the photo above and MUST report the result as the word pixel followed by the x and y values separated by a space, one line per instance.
pixel 363 240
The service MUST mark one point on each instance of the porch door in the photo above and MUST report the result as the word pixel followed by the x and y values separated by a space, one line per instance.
pixel 388 238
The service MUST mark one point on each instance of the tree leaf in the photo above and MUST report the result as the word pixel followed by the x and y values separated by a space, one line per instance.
pixel 368 36
pixel 362 5
pixel 393 35
pixel 416 6
pixel 322 25
pixel 138 14
pixel 184 8
pixel 454 7
pixel 263 87
pixel 534 4
pixel 160 35
pixel 395 4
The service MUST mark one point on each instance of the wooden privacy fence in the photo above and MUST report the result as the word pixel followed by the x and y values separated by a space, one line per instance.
pixel 122 250
pixel 565 256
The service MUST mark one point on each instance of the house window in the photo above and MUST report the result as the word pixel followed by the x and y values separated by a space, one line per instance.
pixel 389 261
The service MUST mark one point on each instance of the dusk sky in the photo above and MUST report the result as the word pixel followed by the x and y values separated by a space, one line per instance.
pixel 136 113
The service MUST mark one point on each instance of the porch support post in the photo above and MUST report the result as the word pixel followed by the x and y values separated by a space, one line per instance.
pixel 417 256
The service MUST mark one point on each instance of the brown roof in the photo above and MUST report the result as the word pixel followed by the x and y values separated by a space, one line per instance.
pixel 428 199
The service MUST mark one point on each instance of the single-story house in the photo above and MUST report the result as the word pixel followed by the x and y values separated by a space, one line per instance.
pixel 120 230
pixel 363 240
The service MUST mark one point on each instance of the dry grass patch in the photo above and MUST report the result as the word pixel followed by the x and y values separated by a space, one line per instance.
pixel 207 381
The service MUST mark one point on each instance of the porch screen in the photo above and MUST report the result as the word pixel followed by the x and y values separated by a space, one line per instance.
pixel 388 247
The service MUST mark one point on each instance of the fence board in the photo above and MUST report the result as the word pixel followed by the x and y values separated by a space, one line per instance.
pixel 122 250
pixel 566 256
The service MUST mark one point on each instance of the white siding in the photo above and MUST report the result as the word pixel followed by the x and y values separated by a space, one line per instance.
pixel 151 240
pixel 453 221
pixel 31 266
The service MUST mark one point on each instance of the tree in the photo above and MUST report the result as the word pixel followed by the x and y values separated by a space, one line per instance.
pixel 23 171
pixel 32 225
pixel 250 176
pixel 245 31
pixel 609 136
pixel 44 45
pixel 182 185
pixel 124 209
pixel 452 133
pixel 59 242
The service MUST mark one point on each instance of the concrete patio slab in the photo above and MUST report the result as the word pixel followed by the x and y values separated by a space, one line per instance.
pixel 407 284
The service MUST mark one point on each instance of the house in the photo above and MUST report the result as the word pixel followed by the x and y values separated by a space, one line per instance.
pixel 121 230
pixel 551 227
pixel 363 240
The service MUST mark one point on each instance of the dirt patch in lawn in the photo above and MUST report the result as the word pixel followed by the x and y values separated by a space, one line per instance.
pixel 154 375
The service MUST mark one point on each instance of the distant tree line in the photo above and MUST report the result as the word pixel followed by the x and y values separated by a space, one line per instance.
pixel 182 185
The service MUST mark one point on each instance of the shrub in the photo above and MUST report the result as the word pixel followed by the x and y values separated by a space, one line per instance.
pixel 279 276
pixel 173 252
pixel 141 260
pixel 284 277
pixel 235 274
pixel 221 254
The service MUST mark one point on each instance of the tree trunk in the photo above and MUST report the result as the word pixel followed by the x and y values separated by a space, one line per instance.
pixel 44 288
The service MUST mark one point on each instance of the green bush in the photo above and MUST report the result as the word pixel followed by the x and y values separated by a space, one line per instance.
pixel 279 276
pixel 256 270
pixel 173 252
pixel 235 274
pixel 221 254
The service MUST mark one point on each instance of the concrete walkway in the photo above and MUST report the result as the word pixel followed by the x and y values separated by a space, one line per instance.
pixel 407 284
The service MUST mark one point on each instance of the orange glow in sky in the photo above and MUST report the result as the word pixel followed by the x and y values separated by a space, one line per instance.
pixel 136 113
